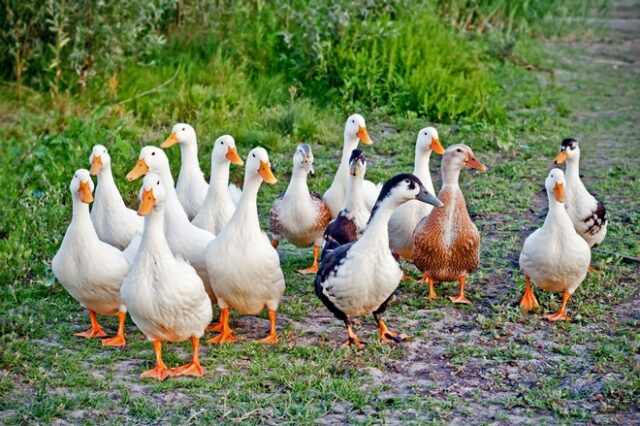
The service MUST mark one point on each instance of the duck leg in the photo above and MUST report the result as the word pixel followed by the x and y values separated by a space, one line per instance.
pixel 95 330
pixel 216 326
pixel 160 371
pixel 385 334
pixel 226 335
pixel 118 339
pixel 272 337
pixel 314 267
pixel 193 368
pixel 529 302
pixel 460 297
pixel 562 312
pixel 432 286
pixel 352 338
pixel 275 243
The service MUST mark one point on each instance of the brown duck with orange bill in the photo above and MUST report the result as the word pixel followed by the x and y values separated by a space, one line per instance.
pixel 446 244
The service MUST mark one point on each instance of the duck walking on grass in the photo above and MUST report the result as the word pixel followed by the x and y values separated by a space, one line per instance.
pixel 554 257
pixel 91 270
pixel 446 244
pixel 165 297
pixel 300 215
pixel 359 278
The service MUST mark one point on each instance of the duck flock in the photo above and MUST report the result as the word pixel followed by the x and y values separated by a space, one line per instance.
pixel 195 244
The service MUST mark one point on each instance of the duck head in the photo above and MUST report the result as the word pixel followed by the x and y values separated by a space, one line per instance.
pixel 402 188
pixel 569 151
pixel 98 159
pixel 428 141
pixel 356 129
pixel 357 163
pixel 181 133
pixel 82 186
pixel 459 156
pixel 555 185
pixel 151 159
pixel 224 150
pixel 303 158
pixel 258 165
pixel 152 194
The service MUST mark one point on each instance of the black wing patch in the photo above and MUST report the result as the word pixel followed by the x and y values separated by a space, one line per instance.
pixel 329 265
pixel 596 220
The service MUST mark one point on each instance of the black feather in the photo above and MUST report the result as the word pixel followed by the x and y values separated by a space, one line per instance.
pixel 329 265
pixel 392 183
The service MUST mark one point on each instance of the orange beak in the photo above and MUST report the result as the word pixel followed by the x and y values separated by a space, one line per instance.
pixel 96 165
pixel 265 172
pixel 436 146
pixel 170 141
pixel 558 192
pixel 363 135
pixel 232 155
pixel 148 201
pixel 561 157
pixel 140 169
pixel 474 164
pixel 85 193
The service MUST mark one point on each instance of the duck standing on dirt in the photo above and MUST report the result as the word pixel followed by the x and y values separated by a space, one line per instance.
pixel 359 278
pixel 91 270
pixel 588 215
pixel 165 297
pixel 446 244
pixel 554 257
pixel 350 222
pixel 300 215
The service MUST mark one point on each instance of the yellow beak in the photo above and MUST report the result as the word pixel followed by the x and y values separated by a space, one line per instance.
pixel 232 155
pixel 436 146
pixel 558 192
pixel 265 172
pixel 170 141
pixel 85 193
pixel 140 169
pixel 96 165
pixel 561 157
pixel 363 135
pixel 148 201
pixel 474 164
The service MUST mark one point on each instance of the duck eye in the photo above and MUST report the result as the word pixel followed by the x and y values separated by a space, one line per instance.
pixel 459 150
pixel 183 129
pixel 158 183
pixel 153 153
pixel 221 142
pixel 406 181
pixel 254 155
pixel 353 121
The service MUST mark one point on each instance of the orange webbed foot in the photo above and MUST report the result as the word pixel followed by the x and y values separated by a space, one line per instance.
pixel 460 299
pixel 214 327
pixel 271 339
pixel 224 337
pixel 310 270
pixel 558 316
pixel 193 369
pixel 529 302
pixel 92 333
pixel 117 340
pixel 159 373
pixel 354 342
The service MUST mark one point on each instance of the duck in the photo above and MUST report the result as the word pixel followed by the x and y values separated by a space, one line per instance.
pixel 588 215
pixel 192 188
pixel 185 239
pixel 244 268
pixel 352 219
pixel 91 270
pixel 406 217
pixel 446 243
pixel 219 204
pixel 555 257
pixel 164 295
pixel 360 277
pixel 355 130
pixel 114 222
pixel 298 215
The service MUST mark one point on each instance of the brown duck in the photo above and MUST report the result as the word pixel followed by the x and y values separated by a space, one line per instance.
pixel 446 243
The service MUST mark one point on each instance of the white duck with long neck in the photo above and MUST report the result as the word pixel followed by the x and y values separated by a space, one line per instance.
pixel 191 187
pixel 91 270
pixel 554 257
pixel 406 217
pixel 185 239
pixel 355 130
pixel 218 206
pixel 114 222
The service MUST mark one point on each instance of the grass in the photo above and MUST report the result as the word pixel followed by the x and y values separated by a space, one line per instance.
pixel 482 363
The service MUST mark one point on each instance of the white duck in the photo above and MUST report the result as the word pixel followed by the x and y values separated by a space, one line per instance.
pixel 164 295
pixel 588 215
pixel 219 205
pixel 355 130
pixel 114 222
pixel 185 239
pixel 406 217
pixel 91 270
pixel 244 269
pixel 554 257
pixel 359 278
pixel 300 215
pixel 192 187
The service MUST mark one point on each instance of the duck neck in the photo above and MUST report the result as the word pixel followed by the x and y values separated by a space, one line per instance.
pixel 557 215
pixel 80 214
pixel 450 175
pixel 350 143
pixel 354 201
pixel 107 187
pixel 173 207
pixel 153 237
pixel 247 210
pixel 189 156
pixel 219 176
pixel 573 169
pixel 377 227
pixel 421 168
pixel 298 183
